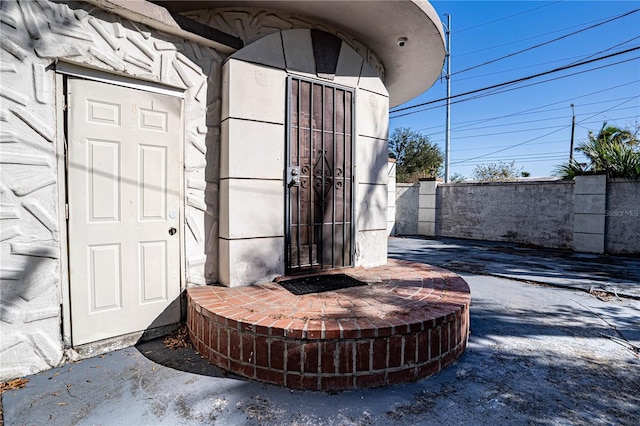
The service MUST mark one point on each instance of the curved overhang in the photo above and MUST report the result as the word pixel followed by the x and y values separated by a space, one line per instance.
pixel 410 69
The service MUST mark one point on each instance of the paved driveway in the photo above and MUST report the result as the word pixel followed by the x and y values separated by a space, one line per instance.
pixel 616 275
pixel 536 355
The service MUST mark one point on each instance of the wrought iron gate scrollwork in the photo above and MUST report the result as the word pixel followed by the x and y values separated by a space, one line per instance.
pixel 319 229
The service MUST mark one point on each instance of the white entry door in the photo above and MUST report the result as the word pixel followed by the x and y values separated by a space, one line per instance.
pixel 124 165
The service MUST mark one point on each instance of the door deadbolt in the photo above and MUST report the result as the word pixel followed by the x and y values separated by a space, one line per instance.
pixel 172 231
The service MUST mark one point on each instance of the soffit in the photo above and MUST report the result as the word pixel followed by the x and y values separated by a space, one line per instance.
pixel 409 70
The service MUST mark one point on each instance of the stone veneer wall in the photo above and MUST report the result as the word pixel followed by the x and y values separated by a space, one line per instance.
pixel 34 36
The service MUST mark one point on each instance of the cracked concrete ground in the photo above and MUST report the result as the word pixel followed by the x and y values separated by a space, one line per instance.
pixel 537 355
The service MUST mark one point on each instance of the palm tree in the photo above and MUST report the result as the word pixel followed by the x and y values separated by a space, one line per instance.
pixel 613 151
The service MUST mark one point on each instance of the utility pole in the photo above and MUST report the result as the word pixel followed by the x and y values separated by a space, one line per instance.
pixel 573 132
pixel 448 125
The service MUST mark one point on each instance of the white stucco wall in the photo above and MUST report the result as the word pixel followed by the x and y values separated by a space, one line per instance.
pixel 34 298
pixel 34 36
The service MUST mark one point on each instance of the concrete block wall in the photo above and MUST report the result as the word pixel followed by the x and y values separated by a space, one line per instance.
pixel 538 213
pixel 407 198
pixel 585 215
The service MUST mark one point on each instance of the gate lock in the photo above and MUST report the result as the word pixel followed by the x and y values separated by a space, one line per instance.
pixel 293 176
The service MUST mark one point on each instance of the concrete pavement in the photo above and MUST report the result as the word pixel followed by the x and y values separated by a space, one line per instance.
pixel 536 355
pixel 617 275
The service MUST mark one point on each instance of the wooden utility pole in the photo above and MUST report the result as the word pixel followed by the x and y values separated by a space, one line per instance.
pixel 573 132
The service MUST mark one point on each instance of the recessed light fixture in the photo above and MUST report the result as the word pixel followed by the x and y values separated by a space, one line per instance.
pixel 402 41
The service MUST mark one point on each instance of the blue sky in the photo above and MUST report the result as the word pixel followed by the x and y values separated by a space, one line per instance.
pixel 531 125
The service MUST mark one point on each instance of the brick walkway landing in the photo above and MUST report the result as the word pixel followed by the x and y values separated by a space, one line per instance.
pixel 410 322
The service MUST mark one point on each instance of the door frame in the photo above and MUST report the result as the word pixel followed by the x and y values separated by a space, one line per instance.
pixel 63 71
pixel 287 192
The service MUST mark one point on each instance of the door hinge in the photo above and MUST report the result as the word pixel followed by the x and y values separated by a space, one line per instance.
pixel 66 211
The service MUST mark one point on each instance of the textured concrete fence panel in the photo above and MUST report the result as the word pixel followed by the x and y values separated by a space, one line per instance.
pixel 588 214
pixel 407 208
pixel 623 217
pixel 539 213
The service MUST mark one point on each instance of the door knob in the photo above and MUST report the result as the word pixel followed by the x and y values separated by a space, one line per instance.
pixel 172 231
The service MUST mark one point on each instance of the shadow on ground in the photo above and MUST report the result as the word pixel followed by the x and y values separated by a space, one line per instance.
pixel 613 274
pixel 536 355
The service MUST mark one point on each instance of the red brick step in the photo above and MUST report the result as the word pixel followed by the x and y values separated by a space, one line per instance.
pixel 410 322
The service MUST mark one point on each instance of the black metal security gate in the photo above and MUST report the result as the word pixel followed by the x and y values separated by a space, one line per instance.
pixel 320 157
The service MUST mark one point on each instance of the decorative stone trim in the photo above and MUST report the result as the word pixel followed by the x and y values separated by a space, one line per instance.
pixel 251 24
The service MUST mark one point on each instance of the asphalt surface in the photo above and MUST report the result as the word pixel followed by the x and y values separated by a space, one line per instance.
pixel 616 275
pixel 537 355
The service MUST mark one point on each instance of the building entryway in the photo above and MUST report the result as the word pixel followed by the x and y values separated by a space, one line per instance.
pixel 319 204
pixel 123 175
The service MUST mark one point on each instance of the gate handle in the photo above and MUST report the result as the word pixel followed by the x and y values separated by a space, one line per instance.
pixel 293 177
pixel 172 231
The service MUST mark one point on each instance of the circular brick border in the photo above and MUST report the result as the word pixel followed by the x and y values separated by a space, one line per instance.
pixel 410 322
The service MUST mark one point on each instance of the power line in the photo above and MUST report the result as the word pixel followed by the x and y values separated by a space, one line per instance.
pixel 527 156
pixel 546 42
pixel 468 129
pixel 519 80
pixel 497 92
pixel 530 38
pixel 505 17
pixel 511 146
pixel 536 138
pixel 538 110
pixel 602 112
pixel 612 47
pixel 518 158
pixel 532 129
pixel 582 57
pixel 508 132
pixel 502 146
pixel 535 160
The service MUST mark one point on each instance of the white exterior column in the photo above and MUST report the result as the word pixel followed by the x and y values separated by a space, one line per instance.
pixel 391 204
pixel 251 163
pixel 590 195
pixel 427 207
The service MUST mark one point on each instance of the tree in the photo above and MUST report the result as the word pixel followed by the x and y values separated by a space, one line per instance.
pixel 457 178
pixel 496 172
pixel 415 155
pixel 612 151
